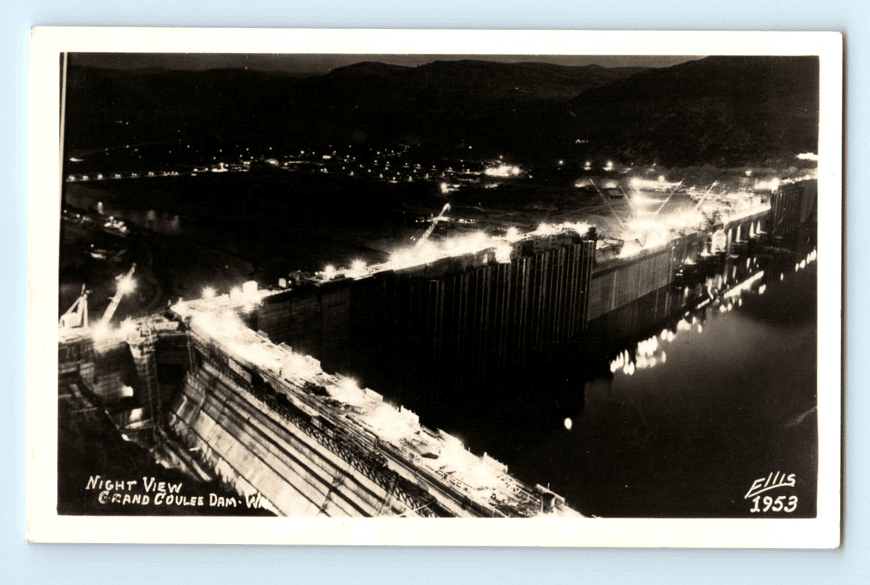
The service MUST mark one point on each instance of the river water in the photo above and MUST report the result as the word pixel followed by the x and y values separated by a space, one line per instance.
pixel 716 406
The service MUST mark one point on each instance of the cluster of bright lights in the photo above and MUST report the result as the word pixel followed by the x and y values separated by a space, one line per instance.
pixel 769 185
pixel 809 176
pixel 684 220
pixel 810 258
pixel 126 285
pixel 180 308
pixel 127 327
pixel 329 272
pixel 357 269
pixel 745 285
pixel 246 296
pixel 105 333
pixel 740 214
pixel 347 391
pixel 646 353
pixel 549 229
pixel 644 362
pixel 637 183
pixel 625 362
pixel 502 171
pixel 502 245
pixel 503 253
pixel 808 156
pixel 431 251
pixel 102 333
pixel 647 230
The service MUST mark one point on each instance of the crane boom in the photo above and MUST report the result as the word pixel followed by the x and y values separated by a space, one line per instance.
pixel 125 285
pixel 431 228
pixel 665 202
pixel 704 198
pixel 607 203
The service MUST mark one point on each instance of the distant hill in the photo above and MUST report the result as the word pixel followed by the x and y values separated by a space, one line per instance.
pixel 715 110
pixel 365 101
pixel 446 104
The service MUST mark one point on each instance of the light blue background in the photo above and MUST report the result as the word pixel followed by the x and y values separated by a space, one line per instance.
pixel 207 564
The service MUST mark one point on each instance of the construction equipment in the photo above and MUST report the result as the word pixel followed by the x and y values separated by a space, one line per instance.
pixel 77 314
pixel 610 207
pixel 704 198
pixel 125 285
pixel 431 228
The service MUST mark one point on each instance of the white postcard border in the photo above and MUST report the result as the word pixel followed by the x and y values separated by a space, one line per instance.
pixel 44 525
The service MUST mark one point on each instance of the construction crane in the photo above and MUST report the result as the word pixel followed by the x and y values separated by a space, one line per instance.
pixel 710 220
pixel 665 202
pixel 431 228
pixel 77 314
pixel 125 285
pixel 704 198
pixel 609 206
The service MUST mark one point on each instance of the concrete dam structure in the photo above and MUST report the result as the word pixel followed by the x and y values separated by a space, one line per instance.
pixel 461 316
pixel 628 294
pixel 236 380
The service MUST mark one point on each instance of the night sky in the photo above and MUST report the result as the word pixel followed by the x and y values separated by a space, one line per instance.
pixel 322 63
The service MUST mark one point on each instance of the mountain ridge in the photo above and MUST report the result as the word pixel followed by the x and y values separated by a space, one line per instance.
pixel 714 110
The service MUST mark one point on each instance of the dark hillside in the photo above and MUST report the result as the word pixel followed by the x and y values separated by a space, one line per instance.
pixel 717 110
pixel 443 103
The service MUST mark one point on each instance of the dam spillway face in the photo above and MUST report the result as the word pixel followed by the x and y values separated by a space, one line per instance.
pixel 271 422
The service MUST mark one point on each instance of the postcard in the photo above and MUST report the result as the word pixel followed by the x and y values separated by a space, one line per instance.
pixel 479 288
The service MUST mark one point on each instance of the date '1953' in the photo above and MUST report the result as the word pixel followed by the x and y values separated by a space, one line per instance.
pixel 784 503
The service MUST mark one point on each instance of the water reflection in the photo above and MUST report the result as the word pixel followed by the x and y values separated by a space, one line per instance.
pixel 723 293
pixel 730 397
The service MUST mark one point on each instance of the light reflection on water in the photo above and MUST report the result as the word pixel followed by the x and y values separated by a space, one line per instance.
pixel 690 417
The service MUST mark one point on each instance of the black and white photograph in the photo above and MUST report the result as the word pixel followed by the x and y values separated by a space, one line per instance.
pixel 549 288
